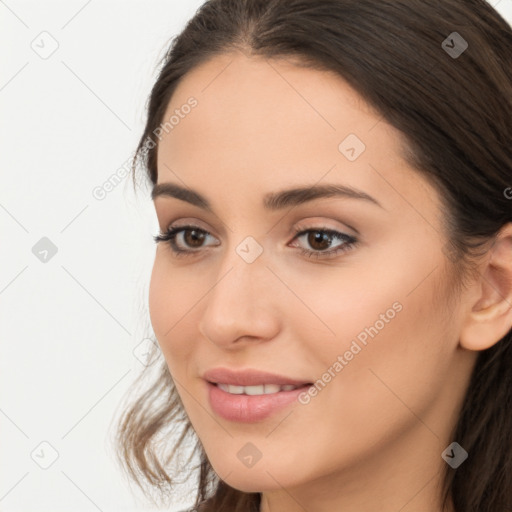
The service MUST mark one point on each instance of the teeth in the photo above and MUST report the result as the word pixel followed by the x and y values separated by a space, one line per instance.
pixel 264 389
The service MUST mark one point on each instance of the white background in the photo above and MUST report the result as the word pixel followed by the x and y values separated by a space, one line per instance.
pixel 69 326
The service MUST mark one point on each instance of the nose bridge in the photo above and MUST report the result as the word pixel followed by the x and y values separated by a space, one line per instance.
pixel 242 272
pixel 240 302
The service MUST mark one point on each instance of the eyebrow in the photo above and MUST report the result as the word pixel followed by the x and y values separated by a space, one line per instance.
pixel 271 201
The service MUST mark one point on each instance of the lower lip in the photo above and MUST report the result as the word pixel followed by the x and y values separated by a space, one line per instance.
pixel 250 408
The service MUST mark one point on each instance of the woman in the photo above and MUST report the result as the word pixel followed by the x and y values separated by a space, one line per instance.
pixel 332 286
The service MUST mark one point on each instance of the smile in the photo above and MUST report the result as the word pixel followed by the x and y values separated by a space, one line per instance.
pixel 263 389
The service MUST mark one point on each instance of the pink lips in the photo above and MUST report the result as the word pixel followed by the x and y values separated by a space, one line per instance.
pixel 249 408
pixel 248 378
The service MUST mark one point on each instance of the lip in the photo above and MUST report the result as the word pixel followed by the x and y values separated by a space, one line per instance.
pixel 248 377
pixel 249 408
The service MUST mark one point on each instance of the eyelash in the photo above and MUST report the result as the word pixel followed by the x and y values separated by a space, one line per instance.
pixel 350 241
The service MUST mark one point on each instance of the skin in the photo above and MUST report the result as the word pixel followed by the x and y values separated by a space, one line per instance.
pixel 372 438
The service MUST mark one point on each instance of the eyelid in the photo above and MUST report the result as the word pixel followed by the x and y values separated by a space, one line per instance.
pixel 185 222
pixel 319 223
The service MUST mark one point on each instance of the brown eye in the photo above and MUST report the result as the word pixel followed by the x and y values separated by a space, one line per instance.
pixel 319 240
pixel 194 237
pixel 184 239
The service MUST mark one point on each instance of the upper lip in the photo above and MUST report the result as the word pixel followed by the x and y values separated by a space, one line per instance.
pixel 248 377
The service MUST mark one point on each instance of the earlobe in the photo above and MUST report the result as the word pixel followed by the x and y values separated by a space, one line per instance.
pixel 489 317
pixel 486 327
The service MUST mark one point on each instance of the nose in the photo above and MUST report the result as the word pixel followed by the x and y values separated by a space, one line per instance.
pixel 243 304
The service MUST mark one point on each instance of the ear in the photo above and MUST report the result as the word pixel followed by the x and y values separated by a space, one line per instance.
pixel 489 316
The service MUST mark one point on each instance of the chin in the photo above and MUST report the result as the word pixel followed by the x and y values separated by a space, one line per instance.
pixel 261 479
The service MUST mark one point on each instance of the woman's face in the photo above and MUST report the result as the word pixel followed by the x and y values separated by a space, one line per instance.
pixel 369 324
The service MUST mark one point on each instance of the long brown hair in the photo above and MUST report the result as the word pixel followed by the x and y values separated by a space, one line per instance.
pixel 455 114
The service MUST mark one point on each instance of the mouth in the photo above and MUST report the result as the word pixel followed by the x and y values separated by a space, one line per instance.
pixel 252 403
pixel 262 389
pixel 251 381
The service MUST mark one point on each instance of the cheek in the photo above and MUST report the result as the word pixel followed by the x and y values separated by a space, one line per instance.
pixel 388 328
pixel 387 383
pixel 344 309
pixel 403 363
pixel 169 310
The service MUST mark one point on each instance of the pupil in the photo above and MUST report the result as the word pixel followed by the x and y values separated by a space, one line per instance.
pixel 319 237
pixel 195 237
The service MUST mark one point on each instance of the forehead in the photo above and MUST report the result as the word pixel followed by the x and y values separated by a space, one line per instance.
pixel 253 99
pixel 269 122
